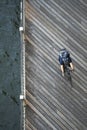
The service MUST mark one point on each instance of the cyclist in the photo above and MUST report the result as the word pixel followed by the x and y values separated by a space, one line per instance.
pixel 65 60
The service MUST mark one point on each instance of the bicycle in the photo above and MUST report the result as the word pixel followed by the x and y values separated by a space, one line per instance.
pixel 67 73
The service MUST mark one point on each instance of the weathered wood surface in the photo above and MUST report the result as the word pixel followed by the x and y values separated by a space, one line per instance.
pixel 53 104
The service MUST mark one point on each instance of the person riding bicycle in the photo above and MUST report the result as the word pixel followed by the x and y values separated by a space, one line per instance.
pixel 65 60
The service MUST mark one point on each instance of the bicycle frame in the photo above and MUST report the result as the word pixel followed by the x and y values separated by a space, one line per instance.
pixel 67 73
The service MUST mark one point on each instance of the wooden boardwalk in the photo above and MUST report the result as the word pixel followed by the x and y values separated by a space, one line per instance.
pixel 52 102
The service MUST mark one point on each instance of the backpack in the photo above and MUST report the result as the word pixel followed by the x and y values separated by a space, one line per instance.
pixel 64 54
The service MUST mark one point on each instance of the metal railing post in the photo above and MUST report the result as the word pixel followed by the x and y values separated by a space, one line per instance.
pixel 23 89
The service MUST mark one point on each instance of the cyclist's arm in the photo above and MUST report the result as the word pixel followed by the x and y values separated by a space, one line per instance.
pixel 61 65
pixel 62 68
pixel 71 64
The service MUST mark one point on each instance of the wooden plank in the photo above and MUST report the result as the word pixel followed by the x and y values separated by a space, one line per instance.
pixel 52 103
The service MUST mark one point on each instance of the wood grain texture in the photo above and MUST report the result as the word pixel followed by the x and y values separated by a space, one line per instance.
pixel 52 102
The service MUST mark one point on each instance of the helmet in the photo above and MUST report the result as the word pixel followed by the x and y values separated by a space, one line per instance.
pixel 64 53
